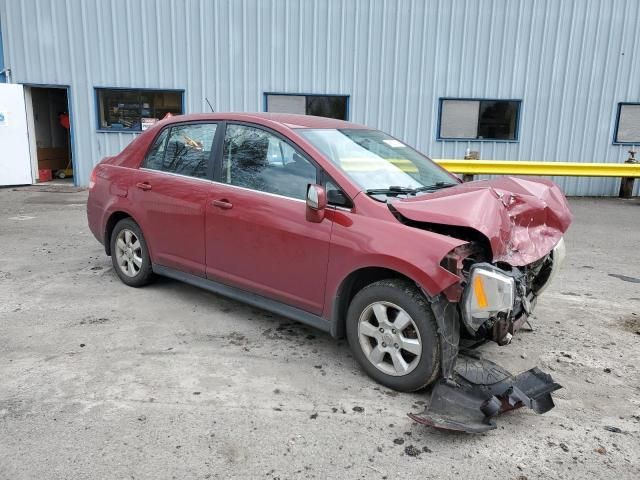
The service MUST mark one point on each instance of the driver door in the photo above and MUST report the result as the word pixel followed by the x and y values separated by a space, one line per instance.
pixel 257 235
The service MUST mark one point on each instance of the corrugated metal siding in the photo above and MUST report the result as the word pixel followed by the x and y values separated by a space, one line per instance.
pixel 569 61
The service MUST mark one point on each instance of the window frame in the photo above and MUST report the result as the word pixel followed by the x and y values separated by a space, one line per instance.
pixel 214 171
pixel 96 91
pixel 217 139
pixel 218 176
pixel 287 94
pixel 617 125
pixel 326 178
pixel 441 100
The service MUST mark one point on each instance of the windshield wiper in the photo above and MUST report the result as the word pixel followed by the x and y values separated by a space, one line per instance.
pixel 435 186
pixel 392 190
pixel 395 190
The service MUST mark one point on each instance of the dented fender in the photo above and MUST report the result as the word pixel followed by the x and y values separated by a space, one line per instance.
pixel 522 219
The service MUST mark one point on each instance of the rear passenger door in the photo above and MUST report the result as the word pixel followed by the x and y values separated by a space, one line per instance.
pixel 171 194
pixel 257 235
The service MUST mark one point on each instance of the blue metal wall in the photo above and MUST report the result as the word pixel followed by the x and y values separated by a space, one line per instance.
pixel 569 61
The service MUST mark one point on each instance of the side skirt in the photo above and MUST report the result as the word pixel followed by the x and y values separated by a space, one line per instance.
pixel 247 297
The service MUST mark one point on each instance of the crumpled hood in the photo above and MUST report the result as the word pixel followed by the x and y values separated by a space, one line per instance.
pixel 523 219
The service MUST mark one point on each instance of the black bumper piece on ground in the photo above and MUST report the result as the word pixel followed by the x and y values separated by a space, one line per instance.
pixel 479 390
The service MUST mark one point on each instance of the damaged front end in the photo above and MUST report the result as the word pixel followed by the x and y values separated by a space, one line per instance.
pixel 492 302
pixel 497 300
pixel 514 231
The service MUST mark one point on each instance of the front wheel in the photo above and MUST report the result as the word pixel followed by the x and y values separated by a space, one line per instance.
pixel 393 334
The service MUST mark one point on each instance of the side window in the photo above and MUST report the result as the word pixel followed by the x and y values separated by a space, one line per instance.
pixel 256 159
pixel 183 149
pixel 156 152
pixel 335 196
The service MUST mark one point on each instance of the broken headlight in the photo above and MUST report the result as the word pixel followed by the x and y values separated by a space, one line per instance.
pixel 489 292
pixel 557 258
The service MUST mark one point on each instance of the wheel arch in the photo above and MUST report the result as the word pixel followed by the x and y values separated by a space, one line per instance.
pixel 114 218
pixel 350 286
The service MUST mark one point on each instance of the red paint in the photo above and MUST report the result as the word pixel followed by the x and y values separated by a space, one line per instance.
pixel 265 243
pixel 523 218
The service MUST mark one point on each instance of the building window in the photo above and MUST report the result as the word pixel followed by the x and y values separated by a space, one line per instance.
pixel 135 110
pixel 331 106
pixel 628 124
pixel 470 119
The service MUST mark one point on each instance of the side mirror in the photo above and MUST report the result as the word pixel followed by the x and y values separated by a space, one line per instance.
pixel 316 203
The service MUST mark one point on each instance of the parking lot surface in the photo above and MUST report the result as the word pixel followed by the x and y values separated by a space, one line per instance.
pixel 99 380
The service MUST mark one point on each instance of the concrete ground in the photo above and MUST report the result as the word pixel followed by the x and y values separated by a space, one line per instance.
pixel 98 380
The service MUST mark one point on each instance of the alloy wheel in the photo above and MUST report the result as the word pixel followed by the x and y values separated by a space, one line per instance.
pixel 128 252
pixel 389 338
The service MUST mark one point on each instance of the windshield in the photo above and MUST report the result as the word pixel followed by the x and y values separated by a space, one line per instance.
pixel 377 162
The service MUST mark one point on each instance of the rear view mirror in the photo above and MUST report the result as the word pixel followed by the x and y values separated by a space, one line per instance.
pixel 316 203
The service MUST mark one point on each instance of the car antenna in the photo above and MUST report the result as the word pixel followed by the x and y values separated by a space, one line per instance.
pixel 209 103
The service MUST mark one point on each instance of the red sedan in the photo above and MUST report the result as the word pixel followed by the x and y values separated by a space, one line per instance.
pixel 336 225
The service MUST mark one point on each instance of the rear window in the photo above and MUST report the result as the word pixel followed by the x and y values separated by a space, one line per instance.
pixel 183 150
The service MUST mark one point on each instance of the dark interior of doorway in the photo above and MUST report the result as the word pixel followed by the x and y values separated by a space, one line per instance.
pixel 52 133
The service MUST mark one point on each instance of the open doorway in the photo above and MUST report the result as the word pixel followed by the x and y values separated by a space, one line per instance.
pixel 50 133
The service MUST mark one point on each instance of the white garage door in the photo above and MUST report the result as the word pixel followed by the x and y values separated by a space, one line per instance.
pixel 15 161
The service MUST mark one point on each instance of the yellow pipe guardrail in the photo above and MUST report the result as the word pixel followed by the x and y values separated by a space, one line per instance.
pixel 565 169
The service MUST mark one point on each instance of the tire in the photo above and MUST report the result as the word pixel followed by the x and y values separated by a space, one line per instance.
pixel 133 263
pixel 394 300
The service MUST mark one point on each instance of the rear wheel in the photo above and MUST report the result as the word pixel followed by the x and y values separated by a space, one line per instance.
pixel 130 255
pixel 393 334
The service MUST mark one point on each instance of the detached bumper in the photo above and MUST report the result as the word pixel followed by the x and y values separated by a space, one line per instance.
pixel 480 390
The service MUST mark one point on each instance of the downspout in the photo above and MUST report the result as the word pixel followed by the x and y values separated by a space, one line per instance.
pixel 5 72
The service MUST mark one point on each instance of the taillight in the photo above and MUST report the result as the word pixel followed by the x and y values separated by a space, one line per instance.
pixel 92 179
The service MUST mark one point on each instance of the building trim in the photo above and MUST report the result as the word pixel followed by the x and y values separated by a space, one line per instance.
pixel 96 104
pixel 617 124
pixel 478 99
pixel 288 94
pixel 72 140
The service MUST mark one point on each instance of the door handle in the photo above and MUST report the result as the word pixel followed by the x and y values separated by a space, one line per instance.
pixel 224 204
pixel 143 186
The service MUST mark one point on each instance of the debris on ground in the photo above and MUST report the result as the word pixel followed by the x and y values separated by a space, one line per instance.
pixel 358 409
pixel 479 390
pixel 625 278
pixel 412 451
pixel 609 428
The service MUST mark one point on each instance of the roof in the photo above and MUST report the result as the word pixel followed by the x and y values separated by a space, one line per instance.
pixel 288 119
